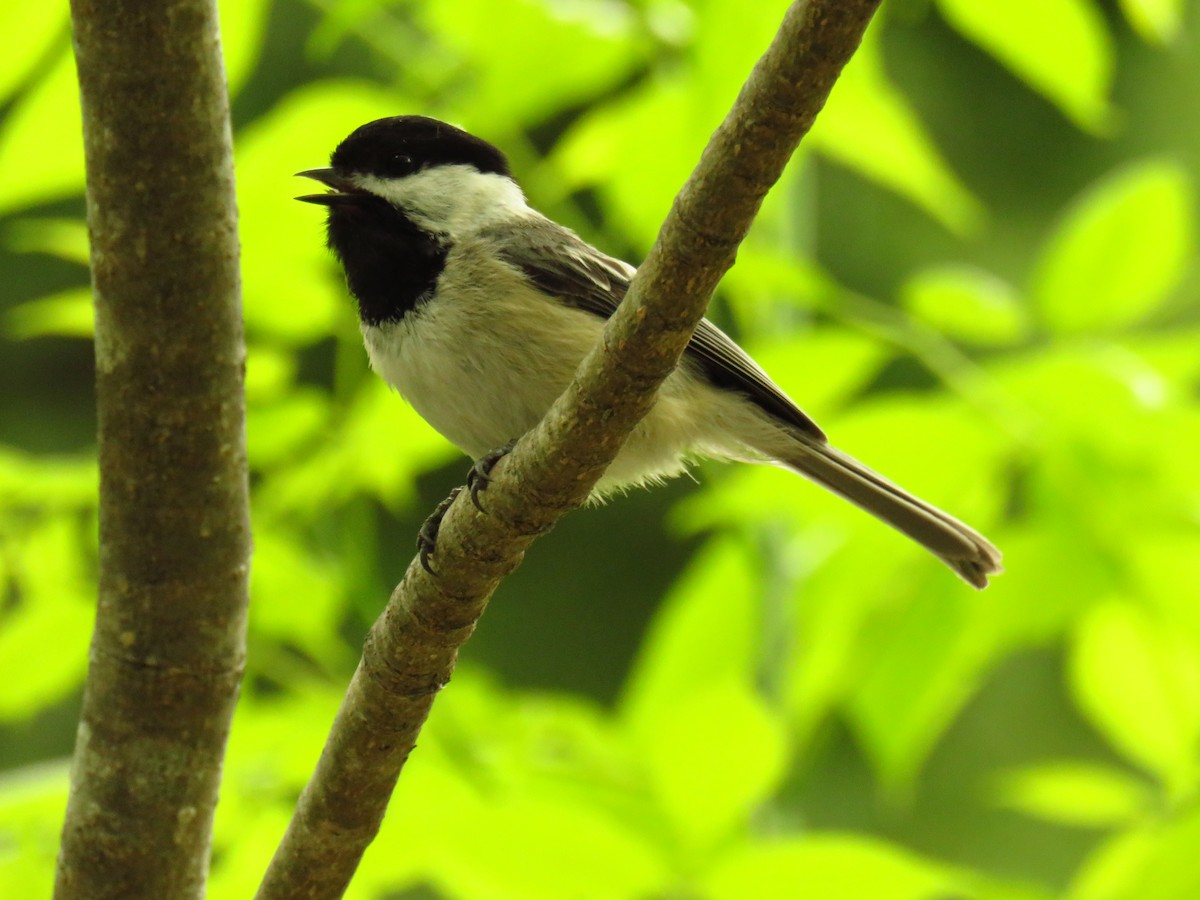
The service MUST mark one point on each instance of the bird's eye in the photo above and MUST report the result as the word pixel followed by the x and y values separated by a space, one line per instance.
pixel 401 164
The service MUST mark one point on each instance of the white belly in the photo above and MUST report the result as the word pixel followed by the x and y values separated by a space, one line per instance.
pixel 483 370
pixel 481 373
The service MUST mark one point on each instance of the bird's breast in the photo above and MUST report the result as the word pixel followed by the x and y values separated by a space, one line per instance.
pixel 482 365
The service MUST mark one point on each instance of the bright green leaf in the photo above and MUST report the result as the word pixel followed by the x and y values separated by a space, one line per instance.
pixel 53 608
pixel 1155 20
pixel 32 681
pixel 274 431
pixel 1153 862
pixel 297 595
pixel 349 461
pixel 1114 869
pixel 46 483
pixel 823 367
pixel 64 238
pixel 243 23
pixel 581 852
pixel 829 867
pixel 1171 870
pixel 32 799
pixel 917 673
pixel 1039 598
pixel 727 38
pixel 41 151
pixel 269 372
pixel 1081 794
pixel 37 24
pixel 1060 48
pixel 1063 387
pixel 967 303
pixel 712 758
pixel 1139 684
pixel 1159 562
pixel 290 288
pixel 1172 352
pixel 68 314
pixel 869 126
pixel 1120 250
pixel 588 45
pixel 706 631
pixel 637 151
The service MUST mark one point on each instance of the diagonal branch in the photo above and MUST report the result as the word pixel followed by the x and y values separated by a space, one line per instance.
pixel 411 649
pixel 168 647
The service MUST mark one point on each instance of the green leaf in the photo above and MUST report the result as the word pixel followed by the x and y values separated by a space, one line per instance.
pixel 581 852
pixel 823 367
pixel 588 45
pixel 243 24
pixel 1170 870
pixel 829 867
pixel 1080 794
pixel 726 39
pixel 967 303
pixel 68 314
pixel 270 372
pixel 32 799
pixel 32 681
pixel 1114 869
pixel 1138 682
pixel 712 758
pixel 1060 48
pixel 1064 386
pixel 37 24
pixel 1120 251
pixel 1158 21
pixel 637 151
pixel 705 632
pixel 918 670
pixel 47 483
pixel 297 595
pixel 277 430
pixel 1158 563
pixel 291 289
pixel 348 462
pixel 868 126
pixel 54 609
pixel 1153 862
pixel 64 238
pixel 41 152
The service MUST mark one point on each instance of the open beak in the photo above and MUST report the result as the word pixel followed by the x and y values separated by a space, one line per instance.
pixel 340 190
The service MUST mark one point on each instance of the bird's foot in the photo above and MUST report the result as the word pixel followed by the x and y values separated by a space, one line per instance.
pixel 480 475
pixel 427 536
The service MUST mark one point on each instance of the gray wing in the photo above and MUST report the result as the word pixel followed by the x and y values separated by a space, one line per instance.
pixel 564 266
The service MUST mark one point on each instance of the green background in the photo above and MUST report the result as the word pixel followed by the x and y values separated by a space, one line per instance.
pixel 978 275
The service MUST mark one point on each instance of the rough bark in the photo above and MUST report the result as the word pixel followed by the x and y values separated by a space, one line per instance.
pixel 410 651
pixel 168 649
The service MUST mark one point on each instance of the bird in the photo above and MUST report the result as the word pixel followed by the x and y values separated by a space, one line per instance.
pixel 478 310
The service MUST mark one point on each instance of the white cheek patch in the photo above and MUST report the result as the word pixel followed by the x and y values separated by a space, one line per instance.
pixel 450 199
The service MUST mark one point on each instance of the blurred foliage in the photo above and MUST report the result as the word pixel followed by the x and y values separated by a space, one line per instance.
pixel 979 275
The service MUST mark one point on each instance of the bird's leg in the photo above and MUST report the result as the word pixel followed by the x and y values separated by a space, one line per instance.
pixel 478 478
pixel 427 536
pixel 480 475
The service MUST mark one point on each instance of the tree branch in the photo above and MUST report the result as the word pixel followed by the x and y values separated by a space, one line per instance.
pixel 168 649
pixel 411 649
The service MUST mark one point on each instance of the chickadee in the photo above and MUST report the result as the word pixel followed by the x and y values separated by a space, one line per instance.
pixel 478 310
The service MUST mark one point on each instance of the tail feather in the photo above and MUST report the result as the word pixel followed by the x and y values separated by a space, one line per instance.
pixel 963 549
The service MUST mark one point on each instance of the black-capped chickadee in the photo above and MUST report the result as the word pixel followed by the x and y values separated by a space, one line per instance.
pixel 478 310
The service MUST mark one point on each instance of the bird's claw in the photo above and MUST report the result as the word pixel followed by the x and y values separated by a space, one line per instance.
pixel 480 475
pixel 427 536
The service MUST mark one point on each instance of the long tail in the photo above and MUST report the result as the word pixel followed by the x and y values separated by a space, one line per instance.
pixel 963 549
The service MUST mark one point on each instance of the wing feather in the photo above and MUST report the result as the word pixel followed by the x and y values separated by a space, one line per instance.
pixel 558 262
